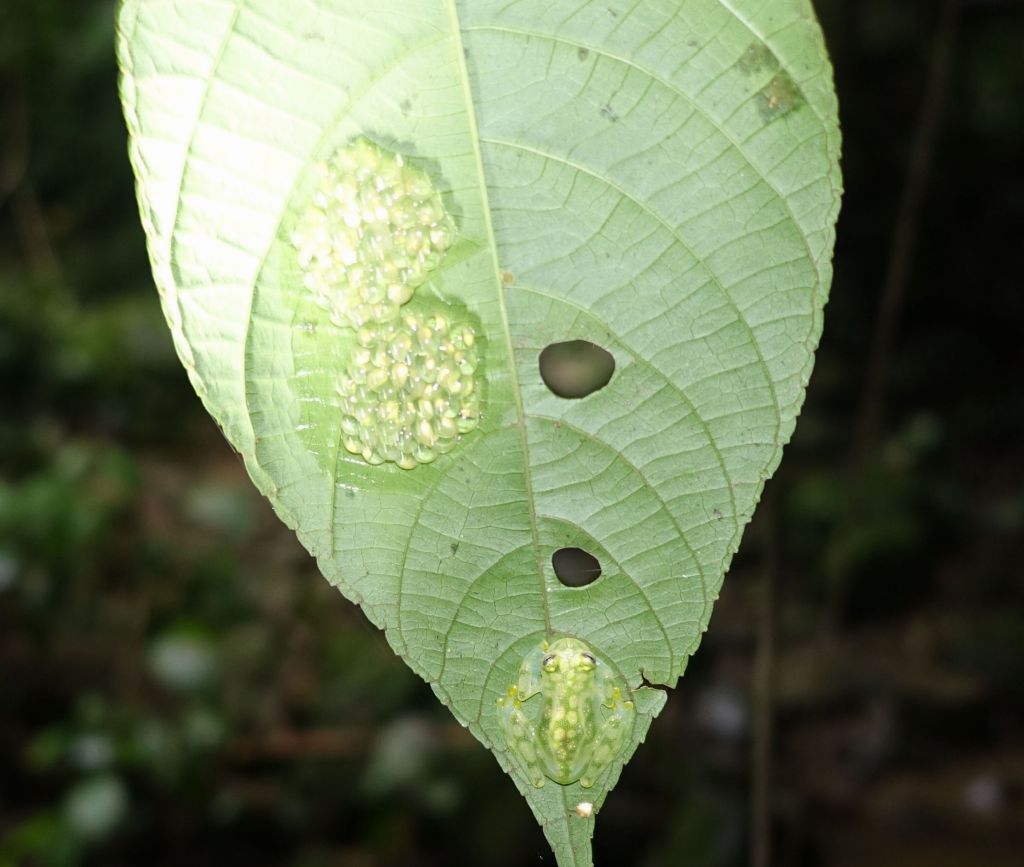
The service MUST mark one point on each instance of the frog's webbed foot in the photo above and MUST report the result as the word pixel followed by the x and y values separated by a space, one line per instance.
pixel 520 734
pixel 611 695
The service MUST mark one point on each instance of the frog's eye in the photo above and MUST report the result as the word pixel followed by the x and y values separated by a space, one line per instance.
pixel 589 658
pixel 550 662
pixel 586 661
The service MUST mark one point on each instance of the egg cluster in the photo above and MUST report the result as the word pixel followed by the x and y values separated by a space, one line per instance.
pixel 373 230
pixel 410 389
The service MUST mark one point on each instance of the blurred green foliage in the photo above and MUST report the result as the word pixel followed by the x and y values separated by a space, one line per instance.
pixel 179 686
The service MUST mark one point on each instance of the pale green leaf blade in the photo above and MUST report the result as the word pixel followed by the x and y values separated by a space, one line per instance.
pixel 659 178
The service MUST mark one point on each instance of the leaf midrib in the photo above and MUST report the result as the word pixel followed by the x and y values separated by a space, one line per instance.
pixel 474 134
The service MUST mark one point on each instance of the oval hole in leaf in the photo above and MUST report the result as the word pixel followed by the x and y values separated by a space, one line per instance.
pixel 576 368
pixel 574 567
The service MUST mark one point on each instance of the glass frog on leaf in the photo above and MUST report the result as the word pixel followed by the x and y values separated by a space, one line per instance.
pixel 584 718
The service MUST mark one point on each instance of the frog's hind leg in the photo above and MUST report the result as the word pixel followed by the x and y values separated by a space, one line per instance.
pixel 520 735
pixel 612 734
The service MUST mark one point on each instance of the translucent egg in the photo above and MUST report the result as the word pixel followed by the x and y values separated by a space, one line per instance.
pixel 396 406
pixel 374 228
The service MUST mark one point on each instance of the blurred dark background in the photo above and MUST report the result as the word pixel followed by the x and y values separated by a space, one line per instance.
pixel 179 686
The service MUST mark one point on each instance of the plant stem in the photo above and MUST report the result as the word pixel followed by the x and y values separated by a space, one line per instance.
pixel 763 699
pixel 907 228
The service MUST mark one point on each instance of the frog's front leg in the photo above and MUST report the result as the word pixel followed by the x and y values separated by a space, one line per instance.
pixel 529 681
pixel 613 732
pixel 520 734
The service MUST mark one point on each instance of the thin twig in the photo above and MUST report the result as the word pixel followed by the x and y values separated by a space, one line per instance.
pixel 16 185
pixel 905 235
pixel 762 743
pixel 14 156
pixel 33 230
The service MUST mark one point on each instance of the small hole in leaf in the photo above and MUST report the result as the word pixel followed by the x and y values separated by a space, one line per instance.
pixel 575 567
pixel 576 368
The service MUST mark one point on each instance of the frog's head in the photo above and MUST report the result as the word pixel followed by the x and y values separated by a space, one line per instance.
pixel 568 655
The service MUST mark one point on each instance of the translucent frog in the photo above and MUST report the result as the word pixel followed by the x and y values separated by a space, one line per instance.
pixel 584 718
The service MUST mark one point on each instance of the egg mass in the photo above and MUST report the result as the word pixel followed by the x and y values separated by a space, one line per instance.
pixel 410 389
pixel 373 230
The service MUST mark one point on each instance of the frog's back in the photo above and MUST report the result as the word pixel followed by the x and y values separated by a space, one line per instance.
pixel 567 725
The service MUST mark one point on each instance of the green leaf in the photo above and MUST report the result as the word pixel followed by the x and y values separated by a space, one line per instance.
pixel 658 177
